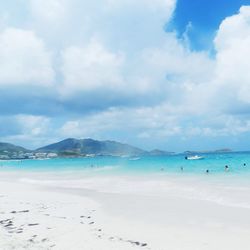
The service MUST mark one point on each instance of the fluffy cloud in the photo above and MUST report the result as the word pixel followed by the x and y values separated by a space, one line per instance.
pixel 148 77
pixel 72 21
pixel 218 87
pixel 160 122
pixel 163 7
pixel 161 125
pixel 233 53
pixel 90 68
pixel 50 11
pixel 29 130
pixel 24 59
pixel 102 48
pixel 113 65
pixel 34 125
pixel 174 59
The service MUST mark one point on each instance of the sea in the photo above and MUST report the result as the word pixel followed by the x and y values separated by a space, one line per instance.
pixel 211 163
pixel 171 175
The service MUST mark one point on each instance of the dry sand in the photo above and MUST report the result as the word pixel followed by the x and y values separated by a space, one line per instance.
pixel 37 217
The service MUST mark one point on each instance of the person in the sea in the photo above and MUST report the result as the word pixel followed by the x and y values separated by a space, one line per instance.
pixel 244 164
pixel 226 168
pixel 207 171
pixel 182 168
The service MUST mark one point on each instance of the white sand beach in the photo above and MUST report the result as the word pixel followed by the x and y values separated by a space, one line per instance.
pixel 124 125
pixel 39 216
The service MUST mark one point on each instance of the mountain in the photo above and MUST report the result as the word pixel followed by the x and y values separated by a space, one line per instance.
pixel 75 147
pixel 224 150
pixel 11 148
pixel 157 152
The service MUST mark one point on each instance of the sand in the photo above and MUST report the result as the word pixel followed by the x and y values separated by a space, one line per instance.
pixel 35 216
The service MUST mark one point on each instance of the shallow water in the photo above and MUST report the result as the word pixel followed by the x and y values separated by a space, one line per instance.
pixel 154 176
pixel 215 163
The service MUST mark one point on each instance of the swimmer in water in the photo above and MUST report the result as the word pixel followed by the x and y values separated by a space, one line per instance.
pixel 207 171
pixel 226 168
pixel 182 168
pixel 244 164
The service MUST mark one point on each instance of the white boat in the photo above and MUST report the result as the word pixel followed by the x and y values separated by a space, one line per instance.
pixel 194 157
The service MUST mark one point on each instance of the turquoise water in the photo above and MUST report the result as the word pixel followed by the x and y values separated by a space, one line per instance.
pixel 154 176
pixel 215 163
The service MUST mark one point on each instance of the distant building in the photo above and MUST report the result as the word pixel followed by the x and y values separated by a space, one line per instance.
pixel 52 155
pixel 41 155
pixel 90 155
pixel 29 156
pixel 4 157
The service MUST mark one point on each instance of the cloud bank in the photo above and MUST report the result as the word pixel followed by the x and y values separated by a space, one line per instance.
pixel 108 69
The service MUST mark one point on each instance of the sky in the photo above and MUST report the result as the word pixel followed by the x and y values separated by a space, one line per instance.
pixel 203 17
pixel 167 74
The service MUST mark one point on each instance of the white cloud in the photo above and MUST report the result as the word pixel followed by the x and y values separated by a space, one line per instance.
pixel 119 50
pixel 151 72
pixel 218 126
pixel 233 53
pixel 159 122
pixel 89 64
pixel 24 59
pixel 114 21
pixel 90 68
pixel 165 7
pixel 4 17
pixel 33 125
pixel 58 10
pixel 49 11
pixel 30 130
pixel 174 59
pixel 211 88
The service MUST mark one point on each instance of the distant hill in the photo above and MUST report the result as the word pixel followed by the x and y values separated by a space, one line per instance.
pixel 76 147
pixel 224 150
pixel 72 147
pixel 11 148
pixel 157 152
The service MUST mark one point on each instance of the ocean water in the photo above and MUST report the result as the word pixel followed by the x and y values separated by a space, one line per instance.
pixel 155 176
pixel 239 165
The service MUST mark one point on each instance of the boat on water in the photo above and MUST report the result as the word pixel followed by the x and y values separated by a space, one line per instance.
pixel 194 157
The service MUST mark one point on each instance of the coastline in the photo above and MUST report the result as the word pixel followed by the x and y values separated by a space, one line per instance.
pixel 60 218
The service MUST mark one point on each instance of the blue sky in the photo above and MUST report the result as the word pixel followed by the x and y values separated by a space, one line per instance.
pixel 205 16
pixel 161 74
